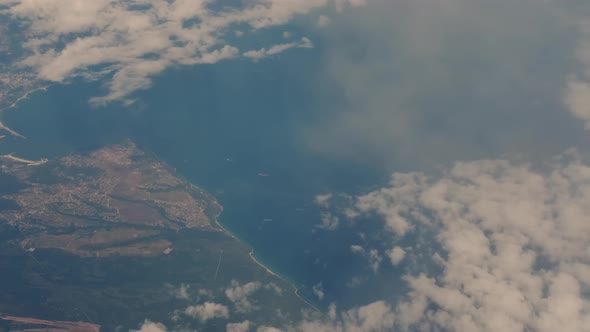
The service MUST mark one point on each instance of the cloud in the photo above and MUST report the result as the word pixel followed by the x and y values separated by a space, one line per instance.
pixel 278 48
pixel 329 204
pixel 511 250
pixel 149 326
pixel 323 200
pixel 404 186
pixel 514 244
pixel 323 21
pixel 182 292
pixel 238 294
pixel 578 100
pixel 205 293
pixel 134 40
pixel 357 249
pixel 375 260
pixel 238 327
pixel 274 287
pixel 329 222
pixel 396 255
pixel 578 85
pixel 374 317
pixel 416 84
pixel 372 256
pixel 267 329
pixel 206 311
pixel 318 290
pixel 341 4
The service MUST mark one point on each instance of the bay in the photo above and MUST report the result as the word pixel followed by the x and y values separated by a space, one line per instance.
pixel 232 129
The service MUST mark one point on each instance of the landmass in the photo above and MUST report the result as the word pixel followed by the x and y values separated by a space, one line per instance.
pixel 114 236
pixel 25 324
pixel 9 131
pixel 115 200
pixel 104 239
pixel 24 161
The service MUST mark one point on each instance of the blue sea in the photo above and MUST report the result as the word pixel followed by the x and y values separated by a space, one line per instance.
pixel 221 127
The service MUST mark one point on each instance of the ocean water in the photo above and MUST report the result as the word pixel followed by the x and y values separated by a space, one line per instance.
pixel 221 127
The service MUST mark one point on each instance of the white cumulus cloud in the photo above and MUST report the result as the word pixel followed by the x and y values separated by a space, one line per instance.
pixel 577 90
pixel 396 255
pixel 514 246
pixel 372 255
pixel 238 294
pixel 149 326
pixel 238 327
pixel 374 317
pixel 134 40
pixel 577 100
pixel 318 290
pixel 207 311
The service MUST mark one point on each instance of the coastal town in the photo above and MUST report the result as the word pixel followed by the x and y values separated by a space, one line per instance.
pixel 117 194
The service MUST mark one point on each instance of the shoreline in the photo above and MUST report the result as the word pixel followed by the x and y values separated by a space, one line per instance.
pixel 267 269
pixel 25 161
pixel 10 131
pixel 13 105
pixel 216 221
pixel 25 96
pixel 223 228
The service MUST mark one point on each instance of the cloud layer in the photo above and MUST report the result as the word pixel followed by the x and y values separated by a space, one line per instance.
pixel 134 40
pixel 512 244
pixel 423 82
pixel 206 311
pixel 578 88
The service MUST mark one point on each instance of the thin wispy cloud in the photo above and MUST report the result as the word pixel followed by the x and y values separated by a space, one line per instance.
pixel 426 82
pixel 278 48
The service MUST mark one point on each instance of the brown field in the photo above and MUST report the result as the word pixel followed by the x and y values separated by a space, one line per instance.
pixel 34 324
pixel 139 214
pixel 172 196
pixel 151 248
pixel 106 242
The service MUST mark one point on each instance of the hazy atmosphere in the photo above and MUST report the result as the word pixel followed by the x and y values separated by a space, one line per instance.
pixel 312 165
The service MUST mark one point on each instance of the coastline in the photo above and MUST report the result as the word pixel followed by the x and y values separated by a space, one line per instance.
pixel 25 96
pixel 13 105
pixel 219 207
pixel 266 268
pixel 25 161
pixel 228 232
pixel 10 131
